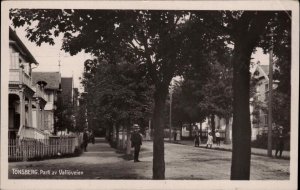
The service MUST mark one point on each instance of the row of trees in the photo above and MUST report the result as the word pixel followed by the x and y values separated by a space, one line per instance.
pixel 118 94
pixel 204 93
pixel 165 44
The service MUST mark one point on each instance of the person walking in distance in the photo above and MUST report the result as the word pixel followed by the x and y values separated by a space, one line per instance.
pixel 279 142
pixel 136 142
pixel 85 139
pixel 196 139
pixel 92 137
pixel 218 137
pixel 175 135
pixel 209 140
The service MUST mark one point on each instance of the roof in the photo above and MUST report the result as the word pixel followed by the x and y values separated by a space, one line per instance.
pixel 53 79
pixel 16 41
pixel 265 68
pixel 262 71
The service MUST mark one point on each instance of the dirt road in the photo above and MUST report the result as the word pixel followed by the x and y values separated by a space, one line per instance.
pixel 182 162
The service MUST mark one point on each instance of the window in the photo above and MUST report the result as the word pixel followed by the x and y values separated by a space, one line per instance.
pixel 14 61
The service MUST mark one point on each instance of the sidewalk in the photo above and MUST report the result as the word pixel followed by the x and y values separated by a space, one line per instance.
pixel 228 147
pixel 100 162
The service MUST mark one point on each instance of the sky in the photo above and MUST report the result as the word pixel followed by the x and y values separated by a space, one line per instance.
pixel 48 58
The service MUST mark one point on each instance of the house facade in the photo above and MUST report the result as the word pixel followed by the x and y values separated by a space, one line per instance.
pixel 26 98
pixel 259 100
pixel 38 112
pixel 52 89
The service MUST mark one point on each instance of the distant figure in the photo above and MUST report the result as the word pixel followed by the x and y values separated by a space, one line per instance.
pixel 92 137
pixel 85 139
pixel 199 136
pixel 209 140
pixel 136 142
pixel 175 135
pixel 218 137
pixel 279 142
pixel 196 139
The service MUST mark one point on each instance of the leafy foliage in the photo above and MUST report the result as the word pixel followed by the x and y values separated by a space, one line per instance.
pixel 116 93
pixel 165 44
pixel 207 90
pixel 64 116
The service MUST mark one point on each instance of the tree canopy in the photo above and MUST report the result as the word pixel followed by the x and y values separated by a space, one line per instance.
pixel 116 93
pixel 165 44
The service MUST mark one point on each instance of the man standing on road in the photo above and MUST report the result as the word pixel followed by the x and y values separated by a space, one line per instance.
pixel 92 137
pixel 279 142
pixel 136 142
pixel 196 139
pixel 85 139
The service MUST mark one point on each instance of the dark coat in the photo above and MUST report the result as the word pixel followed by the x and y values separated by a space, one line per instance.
pixel 280 140
pixel 136 139
pixel 85 137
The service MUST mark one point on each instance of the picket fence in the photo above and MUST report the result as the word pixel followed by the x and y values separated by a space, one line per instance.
pixel 26 149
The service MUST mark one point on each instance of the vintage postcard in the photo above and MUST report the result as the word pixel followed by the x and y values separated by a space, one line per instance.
pixel 149 94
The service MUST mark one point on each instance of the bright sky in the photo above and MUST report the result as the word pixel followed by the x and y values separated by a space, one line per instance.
pixel 48 58
pixel 260 56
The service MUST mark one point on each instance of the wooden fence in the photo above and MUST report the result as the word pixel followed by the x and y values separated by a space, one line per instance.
pixel 26 149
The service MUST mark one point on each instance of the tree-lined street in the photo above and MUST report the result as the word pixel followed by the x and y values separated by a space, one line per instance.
pixel 138 54
pixel 182 162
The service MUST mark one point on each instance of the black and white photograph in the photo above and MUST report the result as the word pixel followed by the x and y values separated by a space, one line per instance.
pixel 149 94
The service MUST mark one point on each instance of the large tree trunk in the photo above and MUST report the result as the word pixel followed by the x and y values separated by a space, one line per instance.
pixel 241 128
pixel 227 131
pixel 128 142
pixel 158 137
pixel 108 133
pixel 248 31
pixel 117 136
pixel 123 137
pixel 190 130
pixel 114 133
pixel 200 131
pixel 213 125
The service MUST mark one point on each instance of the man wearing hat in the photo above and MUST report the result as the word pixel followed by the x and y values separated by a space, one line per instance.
pixel 279 141
pixel 136 142
pixel 85 139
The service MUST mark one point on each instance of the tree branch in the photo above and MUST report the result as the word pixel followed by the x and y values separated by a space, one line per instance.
pixel 257 27
pixel 149 62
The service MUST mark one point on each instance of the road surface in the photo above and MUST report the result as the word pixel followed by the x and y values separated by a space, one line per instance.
pixel 182 162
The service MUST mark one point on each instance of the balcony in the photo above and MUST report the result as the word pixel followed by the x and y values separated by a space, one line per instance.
pixel 18 71
pixel 19 77
pixel 39 93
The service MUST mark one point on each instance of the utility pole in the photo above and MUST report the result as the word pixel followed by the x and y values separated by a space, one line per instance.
pixel 270 99
pixel 59 61
pixel 170 119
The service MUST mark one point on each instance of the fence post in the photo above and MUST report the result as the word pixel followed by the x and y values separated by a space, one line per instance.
pixel 24 150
